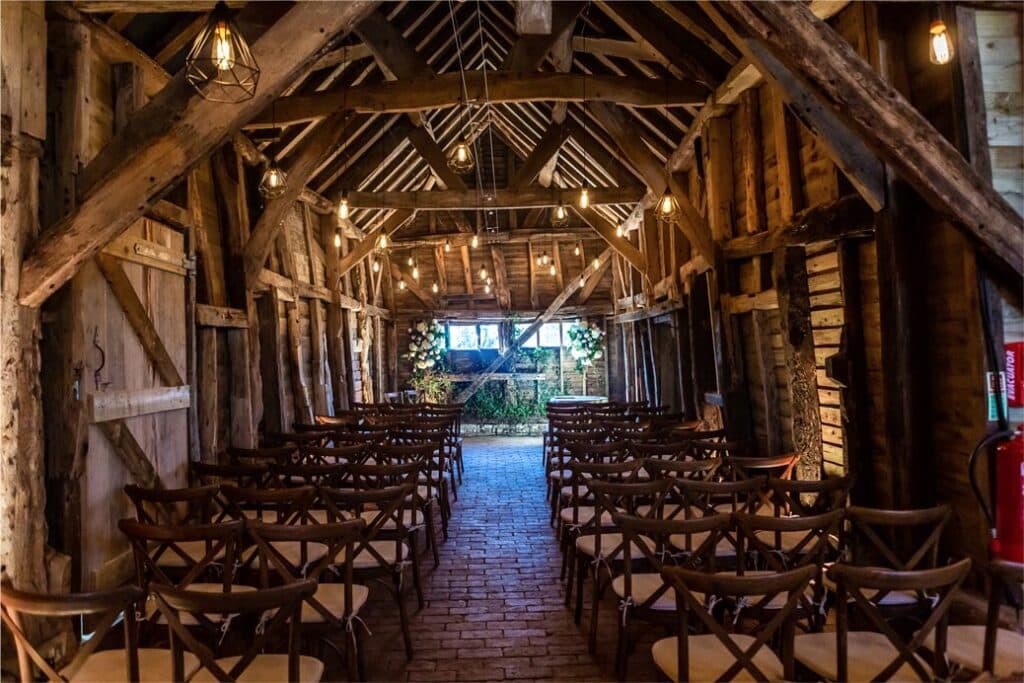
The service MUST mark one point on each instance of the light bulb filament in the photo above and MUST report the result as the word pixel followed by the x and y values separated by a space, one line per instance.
pixel 223 53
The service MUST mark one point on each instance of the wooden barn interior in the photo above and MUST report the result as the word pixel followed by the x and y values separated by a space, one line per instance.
pixel 511 340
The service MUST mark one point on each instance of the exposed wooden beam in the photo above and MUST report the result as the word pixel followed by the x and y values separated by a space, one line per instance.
pixel 128 449
pixel 547 147
pixel 391 50
pixel 752 162
pixel 533 17
pixel 183 37
pixel 254 157
pixel 528 53
pixel 606 230
pixel 846 217
pixel 366 245
pixel 221 316
pixel 440 200
pixel 896 130
pixel 148 6
pixel 500 277
pixel 592 281
pixel 166 137
pixel 610 47
pixel 645 28
pixel 441 268
pixel 446 91
pixel 517 236
pixel 413 287
pixel 324 137
pixel 544 317
pixel 467 269
pixel 690 222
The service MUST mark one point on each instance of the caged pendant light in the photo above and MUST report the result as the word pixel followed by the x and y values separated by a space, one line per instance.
pixel 560 216
pixel 220 65
pixel 274 182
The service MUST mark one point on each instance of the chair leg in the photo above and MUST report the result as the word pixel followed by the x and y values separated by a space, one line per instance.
pixel 428 515
pixel 595 603
pixel 352 655
pixel 403 613
pixel 458 460
pixel 622 649
pixel 581 567
pixel 571 561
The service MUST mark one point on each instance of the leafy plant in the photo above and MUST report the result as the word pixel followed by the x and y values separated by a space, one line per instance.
pixel 426 353
pixel 586 344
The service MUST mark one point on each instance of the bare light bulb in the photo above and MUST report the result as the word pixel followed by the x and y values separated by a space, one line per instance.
pixel 483 273
pixel 584 198
pixel 343 208
pixel 940 47
pixel 618 230
pixel 476 241
pixel 487 288
pixel 576 251
pixel 552 270
pixel 337 239
pixel 376 266
pixel 447 245
pixel 596 262
pixel 415 272
pixel 401 284
pixel 409 261
pixel 582 281
pixel 461 153
pixel 223 53
pixel 382 243
pixel 433 288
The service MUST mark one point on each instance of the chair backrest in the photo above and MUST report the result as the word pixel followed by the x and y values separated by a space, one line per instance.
pixel 692 591
pixel 720 448
pixel 299 439
pixel 1002 575
pixel 702 498
pixel 659 541
pixel 336 455
pixel 781 543
pixel 280 608
pixel 380 476
pixel 207 474
pixel 698 470
pixel 291 475
pixel 262 456
pixel 337 537
pixel 896 539
pixel 109 605
pixel 285 505
pixel 173 506
pixel 744 467
pixel 670 450
pixel 597 453
pixel 866 584
pixel 150 542
pixel 388 521
pixel 808 497
pixel 612 497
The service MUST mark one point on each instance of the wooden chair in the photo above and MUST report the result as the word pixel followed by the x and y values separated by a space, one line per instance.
pixel 737 467
pixel 277 610
pixel 718 654
pixel 335 606
pixel 88 663
pixel 693 498
pixel 645 595
pixel 284 506
pixel 262 456
pixel 339 454
pixel 989 649
pixel 190 505
pixel 382 551
pixel 803 498
pixel 883 653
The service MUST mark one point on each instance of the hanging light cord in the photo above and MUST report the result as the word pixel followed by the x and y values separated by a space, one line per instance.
pixel 487 105
pixel 465 93
pixel 583 107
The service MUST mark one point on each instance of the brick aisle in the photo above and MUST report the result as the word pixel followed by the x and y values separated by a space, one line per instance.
pixel 494 608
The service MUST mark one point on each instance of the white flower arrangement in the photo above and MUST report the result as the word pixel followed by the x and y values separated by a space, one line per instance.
pixel 586 344
pixel 426 346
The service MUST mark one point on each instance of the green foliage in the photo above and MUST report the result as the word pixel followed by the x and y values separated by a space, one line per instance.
pixel 432 386
pixel 586 344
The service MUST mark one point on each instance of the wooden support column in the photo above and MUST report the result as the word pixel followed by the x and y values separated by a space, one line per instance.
pixel 849 369
pixel 272 335
pixel 242 427
pixel 206 379
pixel 790 274
pixel 786 138
pixel 337 356
pixel 300 388
pixel 718 165
pixel 761 321
pixel 753 161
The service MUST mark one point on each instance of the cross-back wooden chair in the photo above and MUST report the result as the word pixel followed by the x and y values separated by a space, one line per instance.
pixel 721 447
pixel 606 548
pixel 721 655
pixel 561 444
pixel 694 498
pixel 277 611
pixel 802 497
pixel 778 544
pixel 335 606
pixel 293 475
pixel 665 450
pixel 382 550
pixel 338 454
pixel 188 505
pixel 735 467
pixel 433 487
pixel 902 540
pixel 268 455
pixel 644 594
pixel 88 663
pixel 300 439
pixel 243 476
pixel 883 652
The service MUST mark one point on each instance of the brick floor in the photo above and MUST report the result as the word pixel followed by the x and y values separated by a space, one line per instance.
pixel 494 608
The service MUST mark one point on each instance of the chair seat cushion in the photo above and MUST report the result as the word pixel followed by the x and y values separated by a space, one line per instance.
pixel 965 645
pixel 584 515
pixel 710 658
pixel 643 587
pixel 188 619
pixel 195 550
pixel 724 548
pixel 868 653
pixel 319 515
pixel 332 597
pixel 386 549
pixel 560 475
pixel 587 545
pixel 112 665
pixel 890 599
pixel 292 552
pixel 266 669
pixel 410 518
pixel 778 600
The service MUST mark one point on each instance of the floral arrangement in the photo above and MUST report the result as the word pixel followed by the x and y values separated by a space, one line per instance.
pixel 426 353
pixel 586 344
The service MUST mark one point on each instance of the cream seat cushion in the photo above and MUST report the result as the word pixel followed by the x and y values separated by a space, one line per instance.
pixel 188 619
pixel 196 550
pixel 292 552
pixel 584 516
pixel 587 545
pixel 560 474
pixel 643 587
pixel 709 658
pixel 868 653
pixel 965 645
pixel 266 669
pixel 410 518
pixel 332 596
pixel 724 548
pixel 112 665
pixel 778 600
pixel 892 598
pixel 319 515
pixel 386 549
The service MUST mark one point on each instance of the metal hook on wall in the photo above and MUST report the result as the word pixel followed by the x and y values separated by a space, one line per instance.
pixel 98 374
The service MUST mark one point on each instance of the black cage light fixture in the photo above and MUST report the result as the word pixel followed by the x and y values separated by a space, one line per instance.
pixel 220 65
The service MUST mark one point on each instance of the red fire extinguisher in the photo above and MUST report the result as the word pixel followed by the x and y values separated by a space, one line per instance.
pixel 1004 507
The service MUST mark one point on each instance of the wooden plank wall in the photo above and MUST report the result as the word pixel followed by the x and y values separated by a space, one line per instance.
pixel 1000 48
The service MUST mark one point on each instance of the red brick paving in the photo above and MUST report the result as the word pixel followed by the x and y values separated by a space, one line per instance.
pixel 494 608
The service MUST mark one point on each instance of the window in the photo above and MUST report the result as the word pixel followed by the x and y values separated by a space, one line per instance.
pixel 550 335
pixel 489 337
pixel 463 337
pixel 530 343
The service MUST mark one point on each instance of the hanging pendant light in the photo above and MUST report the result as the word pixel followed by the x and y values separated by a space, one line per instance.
pixel 552 270
pixel 415 272
pixel 475 242
pixel 382 242
pixel 583 281
pixel 376 266
pixel 483 272
pixel 619 231
pixel 584 200
pixel 596 263
pixel 337 239
pixel 401 284
pixel 220 65
pixel 576 250
pixel 343 207
pixel 447 245
pixel 433 288
pixel 274 182
pixel 667 206
pixel 940 45
pixel 409 262
pixel 460 159
pixel 560 216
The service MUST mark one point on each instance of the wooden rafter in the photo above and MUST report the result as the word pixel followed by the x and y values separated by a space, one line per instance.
pixel 439 200
pixel 413 287
pixel 528 53
pixel 365 246
pixel 544 317
pixel 445 91
pixel 165 138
